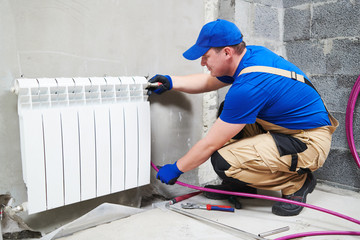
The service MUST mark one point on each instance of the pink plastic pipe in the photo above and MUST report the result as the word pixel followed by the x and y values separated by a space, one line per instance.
pixel 319 233
pixel 349 120
pixel 267 198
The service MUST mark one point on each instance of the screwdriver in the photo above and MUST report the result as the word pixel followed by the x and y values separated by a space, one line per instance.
pixel 208 207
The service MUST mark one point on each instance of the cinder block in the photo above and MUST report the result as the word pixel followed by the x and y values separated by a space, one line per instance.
pixel 340 167
pixel 336 19
pixel 356 129
pixel 227 10
pixel 297 24
pixel 307 55
pixel 339 137
pixel 289 3
pixel 271 3
pixel 344 56
pixel 244 18
pixel 334 89
pixel 266 22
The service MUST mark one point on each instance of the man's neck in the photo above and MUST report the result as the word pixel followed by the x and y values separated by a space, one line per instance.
pixel 237 60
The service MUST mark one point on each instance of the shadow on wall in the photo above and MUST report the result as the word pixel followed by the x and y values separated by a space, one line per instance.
pixel 169 99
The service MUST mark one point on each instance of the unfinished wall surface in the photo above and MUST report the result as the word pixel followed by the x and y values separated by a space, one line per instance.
pixel 81 38
pixel 323 38
pixel 206 173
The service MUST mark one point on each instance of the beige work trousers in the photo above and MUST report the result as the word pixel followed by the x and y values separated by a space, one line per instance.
pixel 255 158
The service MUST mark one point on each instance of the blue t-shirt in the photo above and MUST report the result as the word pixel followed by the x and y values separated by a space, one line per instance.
pixel 279 100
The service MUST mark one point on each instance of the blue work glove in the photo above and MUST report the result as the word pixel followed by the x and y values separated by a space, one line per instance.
pixel 165 83
pixel 169 174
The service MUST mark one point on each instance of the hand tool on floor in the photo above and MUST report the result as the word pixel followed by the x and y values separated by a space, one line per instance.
pixel 208 207
pixel 226 228
pixel 166 204
pixel 275 231
pixel 183 197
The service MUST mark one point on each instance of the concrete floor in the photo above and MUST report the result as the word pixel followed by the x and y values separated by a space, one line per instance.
pixel 255 217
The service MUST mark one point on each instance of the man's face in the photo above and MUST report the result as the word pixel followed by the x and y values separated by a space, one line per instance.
pixel 215 62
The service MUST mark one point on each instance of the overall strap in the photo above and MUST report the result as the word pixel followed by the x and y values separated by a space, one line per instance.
pixel 277 71
pixel 281 72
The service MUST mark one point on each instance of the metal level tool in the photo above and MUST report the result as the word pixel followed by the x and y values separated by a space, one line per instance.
pixel 232 230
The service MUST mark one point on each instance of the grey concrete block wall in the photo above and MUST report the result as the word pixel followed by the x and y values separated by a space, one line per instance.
pixel 297 23
pixel 323 38
pixel 260 22
pixel 308 55
pixel 333 19
pixel 344 55
pixel 266 22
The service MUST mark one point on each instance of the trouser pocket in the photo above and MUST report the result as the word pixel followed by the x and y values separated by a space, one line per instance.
pixel 290 147
pixel 301 158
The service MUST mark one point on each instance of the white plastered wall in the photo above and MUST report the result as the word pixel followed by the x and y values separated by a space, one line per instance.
pixel 49 38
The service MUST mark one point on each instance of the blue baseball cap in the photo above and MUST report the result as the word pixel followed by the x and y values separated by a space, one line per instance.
pixel 219 33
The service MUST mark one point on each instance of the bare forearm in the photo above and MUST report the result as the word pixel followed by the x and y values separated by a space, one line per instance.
pixel 196 156
pixel 196 83
pixel 219 134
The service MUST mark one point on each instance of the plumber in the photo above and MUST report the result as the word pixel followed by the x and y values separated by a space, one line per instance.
pixel 273 129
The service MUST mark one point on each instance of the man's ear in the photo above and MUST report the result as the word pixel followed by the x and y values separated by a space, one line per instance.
pixel 228 51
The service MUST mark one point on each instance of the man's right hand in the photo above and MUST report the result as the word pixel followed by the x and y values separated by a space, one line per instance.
pixel 165 83
pixel 169 173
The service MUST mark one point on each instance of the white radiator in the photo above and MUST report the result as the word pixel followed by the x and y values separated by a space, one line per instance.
pixel 82 138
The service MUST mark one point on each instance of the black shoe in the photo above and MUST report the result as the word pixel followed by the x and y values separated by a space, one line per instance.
pixel 288 209
pixel 227 186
